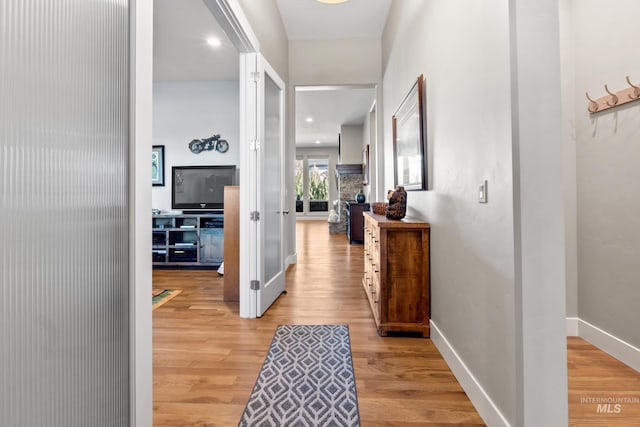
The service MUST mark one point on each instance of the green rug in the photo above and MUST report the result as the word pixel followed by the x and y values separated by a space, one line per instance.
pixel 163 296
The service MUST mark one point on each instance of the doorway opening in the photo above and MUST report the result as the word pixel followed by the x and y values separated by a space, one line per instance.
pixel 335 127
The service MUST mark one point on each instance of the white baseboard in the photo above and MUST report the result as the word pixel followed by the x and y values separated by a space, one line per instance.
pixel 291 260
pixel 572 326
pixel 621 350
pixel 489 412
pixel 311 217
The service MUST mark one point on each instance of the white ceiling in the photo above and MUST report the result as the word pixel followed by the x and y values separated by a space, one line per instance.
pixel 180 49
pixel 329 108
pixel 312 20
pixel 181 53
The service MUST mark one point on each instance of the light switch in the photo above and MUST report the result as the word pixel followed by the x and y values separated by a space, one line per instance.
pixel 482 192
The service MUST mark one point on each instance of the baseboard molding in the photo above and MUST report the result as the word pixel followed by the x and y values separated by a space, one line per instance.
pixel 621 350
pixel 480 399
pixel 291 260
pixel 310 217
pixel 572 326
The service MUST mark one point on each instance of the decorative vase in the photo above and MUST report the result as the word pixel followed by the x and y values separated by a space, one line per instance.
pixel 360 197
pixel 397 207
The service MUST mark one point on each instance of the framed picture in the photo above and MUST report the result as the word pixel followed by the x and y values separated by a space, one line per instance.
pixel 157 165
pixel 409 149
pixel 365 165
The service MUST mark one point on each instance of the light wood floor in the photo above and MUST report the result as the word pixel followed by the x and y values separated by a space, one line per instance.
pixel 593 374
pixel 206 359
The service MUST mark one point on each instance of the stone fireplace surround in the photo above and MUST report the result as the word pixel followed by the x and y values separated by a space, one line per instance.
pixel 349 178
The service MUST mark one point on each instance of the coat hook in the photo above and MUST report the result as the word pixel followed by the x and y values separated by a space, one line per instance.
pixel 614 97
pixel 636 90
pixel 593 105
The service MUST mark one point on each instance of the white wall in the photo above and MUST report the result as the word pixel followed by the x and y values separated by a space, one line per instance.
pixel 539 232
pixel 472 267
pixel 351 143
pixel 369 137
pixel 480 118
pixel 607 149
pixel 351 61
pixel 567 46
pixel 266 23
pixel 183 111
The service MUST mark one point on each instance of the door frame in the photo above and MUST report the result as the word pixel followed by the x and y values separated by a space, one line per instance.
pixel 140 269
pixel 251 262
pixel 231 17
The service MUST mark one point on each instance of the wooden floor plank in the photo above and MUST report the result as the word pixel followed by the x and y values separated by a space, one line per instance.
pixel 593 375
pixel 206 359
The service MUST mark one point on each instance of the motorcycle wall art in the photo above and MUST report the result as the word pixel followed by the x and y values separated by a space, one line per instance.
pixel 212 143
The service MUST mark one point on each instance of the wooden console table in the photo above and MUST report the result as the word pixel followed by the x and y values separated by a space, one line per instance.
pixel 396 273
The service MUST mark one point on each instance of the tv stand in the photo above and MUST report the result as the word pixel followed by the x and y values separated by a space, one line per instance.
pixel 204 212
pixel 188 240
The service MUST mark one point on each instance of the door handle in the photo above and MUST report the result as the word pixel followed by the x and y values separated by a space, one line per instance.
pixel 284 212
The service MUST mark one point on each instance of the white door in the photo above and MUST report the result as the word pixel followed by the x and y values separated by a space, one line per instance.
pixel 271 187
pixel 265 197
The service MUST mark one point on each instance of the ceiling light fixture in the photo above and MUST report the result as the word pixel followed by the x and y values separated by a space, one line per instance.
pixel 309 120
pixel 317 142
pixel 332 1
pixel 214 41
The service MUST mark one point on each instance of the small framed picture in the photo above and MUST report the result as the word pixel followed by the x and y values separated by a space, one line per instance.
pixel 157 165
pixel 365 165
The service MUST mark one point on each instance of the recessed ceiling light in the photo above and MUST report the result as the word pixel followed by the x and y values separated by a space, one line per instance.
pixel 332 1
pixel 214 41
pixel 317 142
pixel 309 120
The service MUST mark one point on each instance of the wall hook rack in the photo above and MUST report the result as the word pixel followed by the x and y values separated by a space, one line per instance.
pixel 593 104
pixel 614 99
pixel 636 90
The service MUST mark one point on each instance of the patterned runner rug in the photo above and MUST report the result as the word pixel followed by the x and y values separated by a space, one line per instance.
pixel 306 380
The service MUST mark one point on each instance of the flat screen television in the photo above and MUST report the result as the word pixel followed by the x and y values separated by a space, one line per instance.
pixel 200 187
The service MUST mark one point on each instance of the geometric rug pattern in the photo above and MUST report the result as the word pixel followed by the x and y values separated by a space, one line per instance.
pixel 306 380
pixel 163 296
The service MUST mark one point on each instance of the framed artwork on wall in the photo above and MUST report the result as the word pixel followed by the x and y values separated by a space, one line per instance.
pixel 365 165
pixel 157 165
pixel 409 142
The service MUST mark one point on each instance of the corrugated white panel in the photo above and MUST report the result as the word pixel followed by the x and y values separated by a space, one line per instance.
pixel 64 318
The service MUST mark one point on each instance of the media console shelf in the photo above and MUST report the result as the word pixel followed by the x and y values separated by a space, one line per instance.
pixel 188 240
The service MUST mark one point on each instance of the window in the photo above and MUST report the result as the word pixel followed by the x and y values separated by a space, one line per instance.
pixel 318 185
pixel 299 174
pixel 312 183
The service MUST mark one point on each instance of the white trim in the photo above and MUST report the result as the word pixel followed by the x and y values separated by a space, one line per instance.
pixel 270 289
pixel 489 412
pixel 572 326
pixel 322 216
pixel 614 346
pixel 291 260
pixel 140 101
pixel 235 24
pixel 325 88
pixel 248 104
